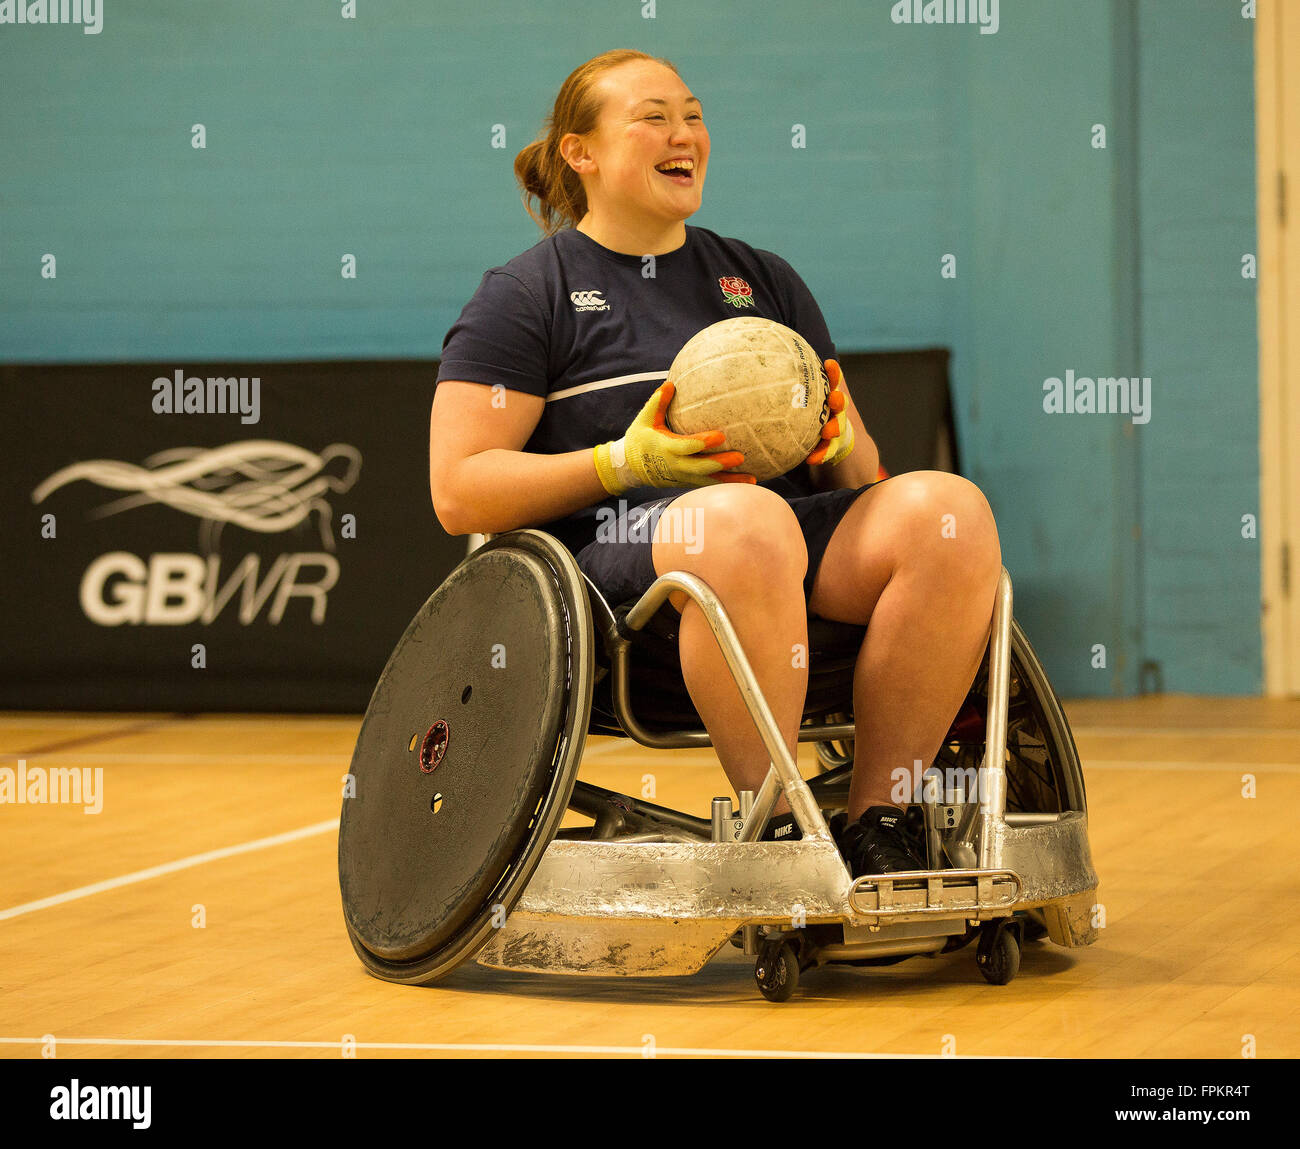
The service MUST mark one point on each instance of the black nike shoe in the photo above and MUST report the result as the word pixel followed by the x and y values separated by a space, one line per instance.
pixel 878 843
pixel 781 829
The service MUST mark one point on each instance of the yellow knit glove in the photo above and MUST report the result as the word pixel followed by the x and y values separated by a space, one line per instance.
pixel 837 432
pixel 650 455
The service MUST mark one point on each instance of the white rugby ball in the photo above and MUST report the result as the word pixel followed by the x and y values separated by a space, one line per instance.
pixel 760 384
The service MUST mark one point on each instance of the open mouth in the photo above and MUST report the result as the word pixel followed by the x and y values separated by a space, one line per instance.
pixel 679 173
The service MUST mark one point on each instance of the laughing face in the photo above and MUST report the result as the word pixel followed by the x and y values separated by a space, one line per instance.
pixel 644 165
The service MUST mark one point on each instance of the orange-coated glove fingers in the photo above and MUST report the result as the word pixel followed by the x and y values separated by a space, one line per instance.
pixel 837 432
pixel 666 392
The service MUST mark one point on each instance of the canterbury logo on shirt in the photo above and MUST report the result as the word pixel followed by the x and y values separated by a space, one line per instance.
pixel 588 301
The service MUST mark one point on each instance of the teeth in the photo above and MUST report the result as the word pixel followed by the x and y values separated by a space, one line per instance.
pixel 689 165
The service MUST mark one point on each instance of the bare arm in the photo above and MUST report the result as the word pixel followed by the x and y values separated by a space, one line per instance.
pixel 479 476
pixel 863 462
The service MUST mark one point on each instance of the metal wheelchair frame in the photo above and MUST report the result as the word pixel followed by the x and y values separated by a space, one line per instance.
pixel 649 891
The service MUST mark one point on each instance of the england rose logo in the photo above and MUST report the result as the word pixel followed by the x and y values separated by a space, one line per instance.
pixel 736 291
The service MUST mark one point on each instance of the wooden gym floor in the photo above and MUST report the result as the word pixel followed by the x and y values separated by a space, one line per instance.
pixel 198 915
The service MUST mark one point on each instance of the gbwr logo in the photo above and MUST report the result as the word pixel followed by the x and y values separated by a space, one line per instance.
pixel 175 589
pixel 261 485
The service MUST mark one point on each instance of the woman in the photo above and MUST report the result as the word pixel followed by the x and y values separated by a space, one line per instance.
pixel 548 412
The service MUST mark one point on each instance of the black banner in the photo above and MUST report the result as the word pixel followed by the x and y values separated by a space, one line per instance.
pixel 255 537
pixel 261 548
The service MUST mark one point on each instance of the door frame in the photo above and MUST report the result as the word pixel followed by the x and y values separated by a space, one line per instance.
pixel 1277 139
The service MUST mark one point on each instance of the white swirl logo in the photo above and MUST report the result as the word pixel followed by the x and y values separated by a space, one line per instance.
pixel 260 484
pixel 588 301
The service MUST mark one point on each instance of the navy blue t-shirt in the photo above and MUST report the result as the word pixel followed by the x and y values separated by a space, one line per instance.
pixel 594 331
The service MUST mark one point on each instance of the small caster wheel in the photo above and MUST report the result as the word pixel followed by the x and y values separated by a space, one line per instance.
pixel 777 971
pixel 999 952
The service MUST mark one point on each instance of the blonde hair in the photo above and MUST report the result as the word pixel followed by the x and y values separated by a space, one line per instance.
pixel 541 171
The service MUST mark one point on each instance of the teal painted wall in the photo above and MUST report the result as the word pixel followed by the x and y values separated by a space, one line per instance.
pixel 1200 453
pixel 372 137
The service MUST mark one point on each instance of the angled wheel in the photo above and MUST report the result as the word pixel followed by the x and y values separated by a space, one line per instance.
pixel 1042 767
pixel 466 758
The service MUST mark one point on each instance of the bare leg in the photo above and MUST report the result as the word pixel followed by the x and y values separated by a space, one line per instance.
pixel 748 547
pixel 918 558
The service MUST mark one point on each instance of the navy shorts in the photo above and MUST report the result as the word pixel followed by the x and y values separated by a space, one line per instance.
pixel 622 567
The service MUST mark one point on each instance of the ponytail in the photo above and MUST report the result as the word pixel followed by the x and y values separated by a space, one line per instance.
pixel 543 174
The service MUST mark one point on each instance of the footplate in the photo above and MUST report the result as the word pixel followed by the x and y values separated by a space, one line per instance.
pixel 913 897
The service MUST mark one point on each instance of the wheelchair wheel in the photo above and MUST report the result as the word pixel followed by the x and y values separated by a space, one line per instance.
pixel 466 758
pixel 1042 767
pixel 1042 763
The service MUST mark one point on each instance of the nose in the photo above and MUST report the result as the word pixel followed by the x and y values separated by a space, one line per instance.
pixel 683 132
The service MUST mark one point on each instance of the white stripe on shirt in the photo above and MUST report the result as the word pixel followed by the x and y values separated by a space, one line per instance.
pixel 597 384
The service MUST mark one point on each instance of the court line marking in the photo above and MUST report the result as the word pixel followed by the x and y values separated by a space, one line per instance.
pixel 1213 767
pixel 207 856
pixel 1186 731
pixel 107 718
pixel 513 1047
pixel 169 868
pixel 323 758
pixel 598 751
pixel 344 721
pixel 333 824
pixel 182 757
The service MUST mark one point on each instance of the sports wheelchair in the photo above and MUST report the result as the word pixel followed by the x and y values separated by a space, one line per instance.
pixel 450 846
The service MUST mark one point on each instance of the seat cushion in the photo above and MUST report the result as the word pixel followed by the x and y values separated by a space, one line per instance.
pixel 827 640
pixel 659 696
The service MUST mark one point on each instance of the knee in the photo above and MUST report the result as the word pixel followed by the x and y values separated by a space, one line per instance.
pixel 732 535
pixel 951 518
